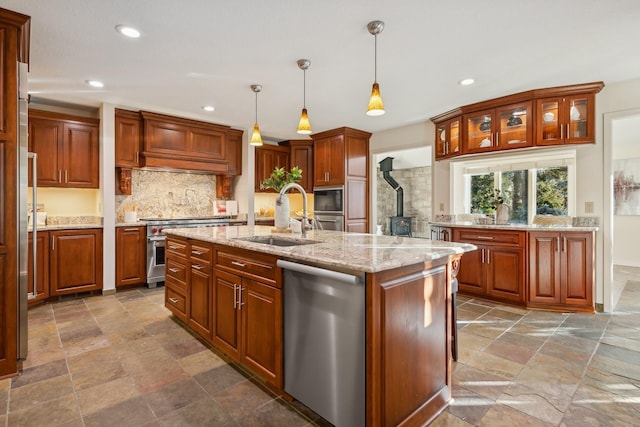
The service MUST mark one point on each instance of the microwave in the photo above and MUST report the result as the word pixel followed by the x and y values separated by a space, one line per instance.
pixel 328 199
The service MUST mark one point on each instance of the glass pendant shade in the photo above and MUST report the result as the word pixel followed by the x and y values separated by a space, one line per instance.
pixel 304 127
pixel 256 138
pixel 376 107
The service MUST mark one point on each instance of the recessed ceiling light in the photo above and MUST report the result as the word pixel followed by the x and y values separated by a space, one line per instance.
pixel 95 83
pixel 208 108
pixel 128 31
pixel 466 82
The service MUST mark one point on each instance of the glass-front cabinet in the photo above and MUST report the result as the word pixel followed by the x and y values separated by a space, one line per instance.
pixel 565 120
pixel 448 138
pixel 499 128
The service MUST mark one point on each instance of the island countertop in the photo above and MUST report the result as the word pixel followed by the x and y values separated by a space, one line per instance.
pixel 516 227
pixel 368 253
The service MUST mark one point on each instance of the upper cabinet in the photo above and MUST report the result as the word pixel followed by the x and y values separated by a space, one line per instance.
pixel 565 120
pixel 67 148
pixel 301 155
pixel 128 138
pixel 268 157
pixel 498 128
pixel 551 116
pixel 329 160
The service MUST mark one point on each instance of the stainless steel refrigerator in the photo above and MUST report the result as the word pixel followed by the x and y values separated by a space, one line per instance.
pixel 23 195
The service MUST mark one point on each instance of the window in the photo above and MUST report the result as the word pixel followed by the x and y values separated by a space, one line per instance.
pixel 529 185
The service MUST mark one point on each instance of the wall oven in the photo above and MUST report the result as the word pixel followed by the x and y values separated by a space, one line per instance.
pixel 328 208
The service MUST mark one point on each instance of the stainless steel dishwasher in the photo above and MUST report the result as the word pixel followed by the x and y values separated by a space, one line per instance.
pixel 324 342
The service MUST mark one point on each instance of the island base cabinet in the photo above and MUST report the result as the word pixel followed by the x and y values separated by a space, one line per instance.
pixel 76 261
pixel 42 267
pixel 247 324
pixel 561 270
pixel 200 296
pixel 131 256
pixel 408 345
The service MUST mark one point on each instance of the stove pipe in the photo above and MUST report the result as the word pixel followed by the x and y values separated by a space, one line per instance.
pixel 386 166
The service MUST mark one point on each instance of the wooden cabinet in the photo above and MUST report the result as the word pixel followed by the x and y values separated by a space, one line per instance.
pixel 301 155
pixel 497 268
pixel 67 147
pixel 131 256
pixel 269 157
pixel 341 157
pixel 565 120
pixel 14 46
pixel 75 261
pixel 176 282
pixel 247 311
pixel 499 128
pixel 128 138
pixel 448 138
pixel 561 271
pixel 234 152
pixel 42 267
pixel 539 117
pixel 200 288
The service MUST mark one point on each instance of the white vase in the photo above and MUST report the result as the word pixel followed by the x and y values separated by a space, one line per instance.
pixel 281 219
pixel 503 214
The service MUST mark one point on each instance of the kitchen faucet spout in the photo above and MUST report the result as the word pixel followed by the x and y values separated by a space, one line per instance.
pixel 305 212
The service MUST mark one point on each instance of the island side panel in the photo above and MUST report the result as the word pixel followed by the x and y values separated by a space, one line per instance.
pixel 408 343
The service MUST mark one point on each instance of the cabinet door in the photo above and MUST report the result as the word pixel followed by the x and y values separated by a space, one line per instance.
pixel 329 162
pixel 165 138
pixel 45 139
pixel 471 274
pixel 76 261
pixel 42 266
pixel 479 132
pixel 267 159
pixel 505 273
pixel 514 126
pixel 226 316
pixel 234 152
pixel 207 143
pixel 544 268
pixel 448 138
pixel 81 156
pixel 577 269
pixel 200 298
pixel 131 256
pixel 301 155
pixel 565 120
pixel 261 307
pixel 128 138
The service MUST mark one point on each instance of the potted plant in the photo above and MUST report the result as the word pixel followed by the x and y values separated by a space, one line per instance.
pixel 276 181
pixel 492 202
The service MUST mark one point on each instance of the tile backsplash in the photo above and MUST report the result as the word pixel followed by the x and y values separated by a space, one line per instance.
pixel 163 194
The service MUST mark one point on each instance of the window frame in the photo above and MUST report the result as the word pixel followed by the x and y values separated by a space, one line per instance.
pixel 461 172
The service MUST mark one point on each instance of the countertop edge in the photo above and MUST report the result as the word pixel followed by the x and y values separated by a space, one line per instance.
pixel 516 227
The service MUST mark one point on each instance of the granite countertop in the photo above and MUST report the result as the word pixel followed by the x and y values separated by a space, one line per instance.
pixel 352 251
pixel 517 227
pixel 66 227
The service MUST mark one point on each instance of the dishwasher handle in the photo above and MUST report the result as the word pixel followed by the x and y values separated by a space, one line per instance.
pixel 321 272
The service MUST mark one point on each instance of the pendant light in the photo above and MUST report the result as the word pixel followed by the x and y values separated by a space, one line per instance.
pixel 376 107
pixel 304 126
pixel 256 139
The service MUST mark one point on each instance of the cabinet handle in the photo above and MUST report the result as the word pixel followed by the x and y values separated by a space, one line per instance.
pixel 130 229
pixel 66 175
pixel 137 157
pixel 240 303
pixel 59 175
pixel 564 244
pixel 235 296
pixel 173 248
pixel 197 267
pixel 174 300
pixel 239 264
pixel 558 244
pixel 173 270
pixel 197 252
pixel 53 243
pixel 326 176
pixel 488 256
pixel 446 147
pixel 484 237
pixel 497 139
pixel 568 134
pixel 482 256
pixel 561 132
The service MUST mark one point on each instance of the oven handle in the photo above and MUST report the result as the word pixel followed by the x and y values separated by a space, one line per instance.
pixel 156 238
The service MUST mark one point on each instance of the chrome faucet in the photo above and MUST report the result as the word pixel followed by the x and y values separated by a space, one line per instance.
pixel 305 212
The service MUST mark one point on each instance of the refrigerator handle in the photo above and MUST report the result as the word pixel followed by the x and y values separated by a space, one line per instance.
pixel 34 220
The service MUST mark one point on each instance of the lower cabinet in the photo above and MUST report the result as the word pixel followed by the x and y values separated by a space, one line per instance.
pixel 496 269
pixel 75 261
pixel 561 270
pixel 131 256
pixel 42 267
pixel 200 296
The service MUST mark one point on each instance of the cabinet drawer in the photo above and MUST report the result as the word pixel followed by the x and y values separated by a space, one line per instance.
pixel 487 237
pixel 176 246
pixel 176 272
pixel 176 302
pixel 257 266
pixel 200 252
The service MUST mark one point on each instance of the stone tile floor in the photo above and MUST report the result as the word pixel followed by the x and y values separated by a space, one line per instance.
pixel 121 360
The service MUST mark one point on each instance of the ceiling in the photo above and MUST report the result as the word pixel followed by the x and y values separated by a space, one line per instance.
pixel 209 52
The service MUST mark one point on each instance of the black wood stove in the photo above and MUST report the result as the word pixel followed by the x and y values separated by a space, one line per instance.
pixel 400 224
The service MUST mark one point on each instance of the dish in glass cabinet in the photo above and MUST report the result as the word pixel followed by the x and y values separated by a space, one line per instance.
pixel 548 117
pixel 442 136
pixel 485 143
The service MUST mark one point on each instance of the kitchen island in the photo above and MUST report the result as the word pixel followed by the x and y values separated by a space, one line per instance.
pixel 228 288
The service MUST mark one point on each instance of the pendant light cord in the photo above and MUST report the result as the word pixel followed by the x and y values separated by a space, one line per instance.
pixel 375 58
pixel 256 107
pixel 304 88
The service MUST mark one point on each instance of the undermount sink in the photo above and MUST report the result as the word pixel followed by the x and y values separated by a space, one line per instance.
pixel 277 241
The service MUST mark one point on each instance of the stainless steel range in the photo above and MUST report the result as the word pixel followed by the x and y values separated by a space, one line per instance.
pixel 156 236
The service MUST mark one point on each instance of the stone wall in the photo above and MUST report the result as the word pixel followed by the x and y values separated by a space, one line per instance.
pixel 416 185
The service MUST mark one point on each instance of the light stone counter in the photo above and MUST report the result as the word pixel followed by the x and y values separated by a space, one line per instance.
pixel 352 251
pixel 67 227
pixel 517 227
